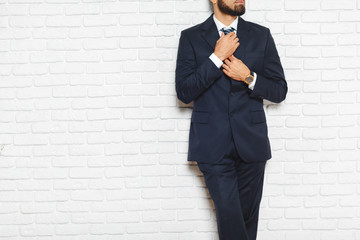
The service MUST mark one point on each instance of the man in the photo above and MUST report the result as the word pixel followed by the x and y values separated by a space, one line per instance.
pixel 227 66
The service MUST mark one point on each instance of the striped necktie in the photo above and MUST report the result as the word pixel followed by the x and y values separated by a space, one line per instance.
pixel 226 31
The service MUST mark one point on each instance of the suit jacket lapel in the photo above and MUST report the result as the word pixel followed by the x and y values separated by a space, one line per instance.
pixel 243 35
pixel 210 32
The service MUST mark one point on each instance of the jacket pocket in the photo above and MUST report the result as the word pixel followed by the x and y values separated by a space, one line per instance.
pixel 200 117
pixel 257 116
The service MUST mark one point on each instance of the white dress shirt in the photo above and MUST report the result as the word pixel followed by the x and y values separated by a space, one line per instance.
pixel 214 58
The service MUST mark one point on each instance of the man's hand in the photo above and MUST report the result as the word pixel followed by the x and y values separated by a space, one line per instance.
pixel 226 45
pixel 235 68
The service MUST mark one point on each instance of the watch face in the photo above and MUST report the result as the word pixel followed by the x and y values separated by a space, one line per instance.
pixel 249 79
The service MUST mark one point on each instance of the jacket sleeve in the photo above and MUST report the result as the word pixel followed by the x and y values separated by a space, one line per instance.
pixel 192 79
pixel 270 83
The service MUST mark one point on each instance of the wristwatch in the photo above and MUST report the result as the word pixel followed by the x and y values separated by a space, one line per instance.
pixel 250 78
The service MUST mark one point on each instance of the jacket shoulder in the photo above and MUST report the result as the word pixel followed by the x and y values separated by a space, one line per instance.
pixel 191 30
pixel 257 27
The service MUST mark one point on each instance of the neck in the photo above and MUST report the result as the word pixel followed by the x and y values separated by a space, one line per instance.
pixel 222 17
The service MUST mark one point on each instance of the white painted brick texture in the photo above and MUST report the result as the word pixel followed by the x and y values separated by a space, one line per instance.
pixel 93 141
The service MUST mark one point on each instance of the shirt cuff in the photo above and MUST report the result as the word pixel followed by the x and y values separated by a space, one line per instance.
pixel 252 85
pixel 216 60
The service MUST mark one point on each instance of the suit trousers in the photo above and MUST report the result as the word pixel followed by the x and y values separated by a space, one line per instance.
pixel 236 190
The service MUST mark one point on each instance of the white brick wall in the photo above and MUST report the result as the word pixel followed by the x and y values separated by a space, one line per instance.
pixel 94 142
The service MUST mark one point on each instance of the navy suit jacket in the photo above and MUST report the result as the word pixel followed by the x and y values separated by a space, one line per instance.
pixel 224 107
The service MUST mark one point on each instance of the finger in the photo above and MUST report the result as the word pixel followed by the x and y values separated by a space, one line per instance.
pixel 226 72
pixel 227 61
pixel 221 37
pixel 231 36
pixel 233 58
pixel 225 66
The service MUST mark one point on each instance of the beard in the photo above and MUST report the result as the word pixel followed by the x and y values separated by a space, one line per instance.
pixel 237 11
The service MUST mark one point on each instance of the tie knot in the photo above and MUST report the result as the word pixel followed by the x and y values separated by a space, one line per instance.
pixel 226 31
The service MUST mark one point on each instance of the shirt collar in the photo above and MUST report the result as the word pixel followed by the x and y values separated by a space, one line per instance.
pixel 220 25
